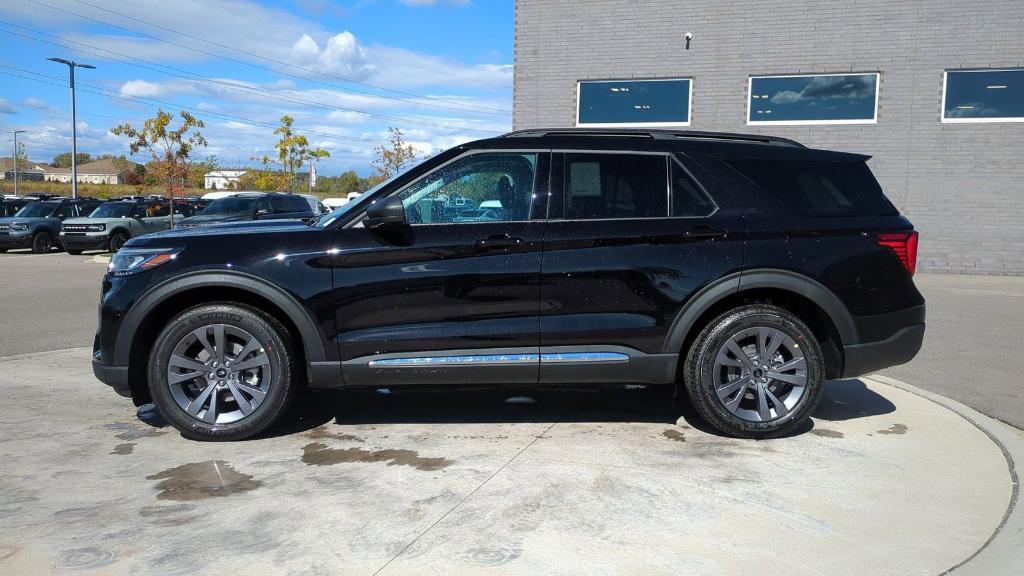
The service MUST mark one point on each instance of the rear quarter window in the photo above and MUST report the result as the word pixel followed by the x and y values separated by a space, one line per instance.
pixel 819 188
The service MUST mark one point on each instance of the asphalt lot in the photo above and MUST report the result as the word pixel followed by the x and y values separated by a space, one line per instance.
pixel 970 352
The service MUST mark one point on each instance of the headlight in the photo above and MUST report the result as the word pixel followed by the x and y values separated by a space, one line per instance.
pixel 19 227
pixel 128 261
pixel 96 227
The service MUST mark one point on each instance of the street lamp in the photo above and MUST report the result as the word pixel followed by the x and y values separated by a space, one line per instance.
pixel 16 132
pixel 74 128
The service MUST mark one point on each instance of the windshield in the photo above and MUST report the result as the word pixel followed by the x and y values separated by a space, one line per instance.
pixel 37 210
pixel 230 206
pixel 328 219
pixel 113 210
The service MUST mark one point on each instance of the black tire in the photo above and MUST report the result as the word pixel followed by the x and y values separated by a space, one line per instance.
pixel 42 243
pixel 116 240
pixel 702 381
pixel 73 252
pixel 276 345
pixel 3 250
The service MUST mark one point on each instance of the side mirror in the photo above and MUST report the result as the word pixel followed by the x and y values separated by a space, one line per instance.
pixel 385 212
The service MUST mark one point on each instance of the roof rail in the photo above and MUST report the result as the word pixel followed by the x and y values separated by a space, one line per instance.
pixel 656 134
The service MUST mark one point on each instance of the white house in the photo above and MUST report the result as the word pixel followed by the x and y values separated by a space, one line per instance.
pixel 104 171
pixel 222 179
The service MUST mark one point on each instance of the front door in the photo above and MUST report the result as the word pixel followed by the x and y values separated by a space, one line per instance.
pixel 452 295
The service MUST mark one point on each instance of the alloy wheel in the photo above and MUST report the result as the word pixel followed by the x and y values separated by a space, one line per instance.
pixel 219 374
pixel 760 374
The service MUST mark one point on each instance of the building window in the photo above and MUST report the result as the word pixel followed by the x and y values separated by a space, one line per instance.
pixel 816 99
pixel 983 96
pixel 642 103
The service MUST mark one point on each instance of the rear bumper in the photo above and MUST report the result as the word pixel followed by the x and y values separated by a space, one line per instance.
pixel 114 376
pixel 869 357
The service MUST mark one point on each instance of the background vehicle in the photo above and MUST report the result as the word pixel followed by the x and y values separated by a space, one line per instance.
pixel 745 270
pixel 36 225
pixel 113 223
pixel 9 206
pixel 246 206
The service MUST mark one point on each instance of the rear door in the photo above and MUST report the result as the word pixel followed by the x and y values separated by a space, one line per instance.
pixel 631 237
pixel 451 297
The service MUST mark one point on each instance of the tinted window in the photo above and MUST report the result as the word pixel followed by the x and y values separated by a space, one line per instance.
pixel 158 209
pixel 230 205
pixel 112 210
pixel 288 204
pixel 616 186
pixel 139 211
pixel 687 197
pixel 819 188
pixel 823 99
pixel 65 211
pixel 648 102
pixel 485 187
pixel 984 96
pixel 37 210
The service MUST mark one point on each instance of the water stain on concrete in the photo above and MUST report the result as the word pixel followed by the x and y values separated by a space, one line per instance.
pixel 318 454
pixel 123 449
pixel 321 433
pixel 87 558
pixel 674 435
pixel 826 433
pixel 202 480
pixel 895 429
pixel 130 431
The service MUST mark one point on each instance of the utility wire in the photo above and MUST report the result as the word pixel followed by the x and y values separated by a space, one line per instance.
pixel 209 80
pixel 419 100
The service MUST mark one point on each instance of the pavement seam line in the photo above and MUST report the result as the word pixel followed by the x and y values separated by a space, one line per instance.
pixel 1010 462
pixel 467 497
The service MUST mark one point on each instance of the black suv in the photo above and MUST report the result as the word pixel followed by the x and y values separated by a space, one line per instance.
pixel 746 270
pixel 251 206
pixel 37 225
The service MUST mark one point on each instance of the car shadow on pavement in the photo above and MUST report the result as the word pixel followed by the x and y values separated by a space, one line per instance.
pixel 850 399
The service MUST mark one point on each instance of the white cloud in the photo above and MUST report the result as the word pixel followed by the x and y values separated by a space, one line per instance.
pixel 434 2
pixel 36 103
pixel 6 107
pixel 142 89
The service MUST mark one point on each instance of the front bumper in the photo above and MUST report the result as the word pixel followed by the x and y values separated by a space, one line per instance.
pixel 14 240
pixel 84 242
pixel 114 376
pixel 897 349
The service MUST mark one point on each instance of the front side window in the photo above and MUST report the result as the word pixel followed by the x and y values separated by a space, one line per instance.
pixel 486 187
pixel 112 210
pixel 984 96
pixel 600 186
pixel 37 210
pixel 817 99
pixel 65 211
pixel 650 103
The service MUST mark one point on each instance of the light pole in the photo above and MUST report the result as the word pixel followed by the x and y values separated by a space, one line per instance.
pixel 16 132
pixel 74 128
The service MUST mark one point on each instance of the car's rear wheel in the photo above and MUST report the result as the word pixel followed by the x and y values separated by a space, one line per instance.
pixel 755 372
pixel 42 243
pixel 116 240
pixel 222 372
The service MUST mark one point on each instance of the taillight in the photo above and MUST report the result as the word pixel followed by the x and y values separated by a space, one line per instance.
pixel 904 244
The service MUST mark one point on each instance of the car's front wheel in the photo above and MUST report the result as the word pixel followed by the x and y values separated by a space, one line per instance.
pixel 116 240
pixel 42 243
pixel 222 372
pixel 755 372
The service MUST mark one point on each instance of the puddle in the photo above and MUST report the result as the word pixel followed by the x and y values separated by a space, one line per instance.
pixel 201 480
pixel 132 432
pixel 123 449
pixel 895 429
pixel 321 433
pixel 674 435
pixel 317 454
pixel 826 433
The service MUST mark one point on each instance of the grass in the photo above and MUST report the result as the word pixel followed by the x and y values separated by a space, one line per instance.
pixel 94 190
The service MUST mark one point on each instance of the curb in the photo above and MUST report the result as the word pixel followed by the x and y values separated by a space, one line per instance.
pixel 1003 552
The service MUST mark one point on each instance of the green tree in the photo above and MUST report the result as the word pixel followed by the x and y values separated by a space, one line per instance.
pixel 64 160
pixel 293 151
pixel 169 148
pixel 20 153
pixel 197 171
pixel 394 156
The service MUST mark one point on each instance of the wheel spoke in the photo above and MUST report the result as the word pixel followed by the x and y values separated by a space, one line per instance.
pixel 203 336
pixel 210 416
pixel 218 342
pixel 794 364
pixel 196 405
pixel 243 403
pixel 260 359
pixel 174 379
pixel 179 361
pixel 762 404
pixel 772 339
pixel 257 394
pixel 780 406
pixel 251 346
pixel 795 379
pixel 739 353
pixel 738 384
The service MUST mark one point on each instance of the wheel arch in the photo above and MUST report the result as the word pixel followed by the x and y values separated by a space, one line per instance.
pixel 812 302
pixel 145 319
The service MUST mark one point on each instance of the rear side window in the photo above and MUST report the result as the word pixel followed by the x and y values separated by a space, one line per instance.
pixel 289 204
pixel 616 186
pixel 819 188
pixel 688 200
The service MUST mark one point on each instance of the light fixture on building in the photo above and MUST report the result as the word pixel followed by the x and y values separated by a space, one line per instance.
pixel 689 37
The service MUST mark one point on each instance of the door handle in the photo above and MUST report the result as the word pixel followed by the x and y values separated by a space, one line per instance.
pixel 705 231
pixel 499 241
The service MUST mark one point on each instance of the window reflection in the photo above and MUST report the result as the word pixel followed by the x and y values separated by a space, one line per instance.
pixel 817 99
pixel 984 96
pixel 634 103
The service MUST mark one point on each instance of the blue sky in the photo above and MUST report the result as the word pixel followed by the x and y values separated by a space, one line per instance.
pixel 439 69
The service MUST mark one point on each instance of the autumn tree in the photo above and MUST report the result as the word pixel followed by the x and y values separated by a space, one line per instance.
pixel 394 156
pixel 293 151
pixel 169 148
pixel 20 153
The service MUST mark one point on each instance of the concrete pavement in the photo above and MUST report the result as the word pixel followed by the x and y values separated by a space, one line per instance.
pixel 885 482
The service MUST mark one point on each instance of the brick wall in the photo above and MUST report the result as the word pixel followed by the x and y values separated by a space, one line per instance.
pixel 961 184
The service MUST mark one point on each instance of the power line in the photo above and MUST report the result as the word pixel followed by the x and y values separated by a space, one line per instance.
pixel 204 79
pixel 459 106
